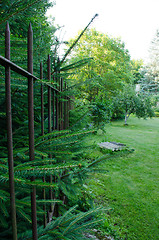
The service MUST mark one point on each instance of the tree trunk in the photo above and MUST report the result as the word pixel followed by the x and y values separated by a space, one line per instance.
pixel 126 118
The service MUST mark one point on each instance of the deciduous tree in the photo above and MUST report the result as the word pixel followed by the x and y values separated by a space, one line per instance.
pixel 109 68
pixel 132 102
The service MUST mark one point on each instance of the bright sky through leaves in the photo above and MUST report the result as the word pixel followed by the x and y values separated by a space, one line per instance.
pixel 135 21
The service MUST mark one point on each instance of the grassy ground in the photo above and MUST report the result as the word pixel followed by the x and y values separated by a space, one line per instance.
pixel 131 185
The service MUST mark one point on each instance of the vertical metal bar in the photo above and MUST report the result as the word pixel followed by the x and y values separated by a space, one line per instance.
pixel 61 104
pixel 68 110
pixel 42 101
pixel 57 104
pixel 31 127
pixel 9 135
pixel 49 124
pixel 53 108
pixel 57 112
pixel 49 94
pixel 57 97
pixel 65 109
pixel 59 82
pixel 42 133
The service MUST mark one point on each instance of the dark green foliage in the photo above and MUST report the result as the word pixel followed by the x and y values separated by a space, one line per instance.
pixel 80 116
pixel 101 112
pixel 68 169
pixel 19 14
pixel 71 225
pixel 137 72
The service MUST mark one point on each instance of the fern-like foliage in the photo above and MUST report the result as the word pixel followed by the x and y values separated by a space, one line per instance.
pixel 72 225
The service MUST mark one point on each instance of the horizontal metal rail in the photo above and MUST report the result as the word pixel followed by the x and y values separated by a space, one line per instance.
pixel 7 63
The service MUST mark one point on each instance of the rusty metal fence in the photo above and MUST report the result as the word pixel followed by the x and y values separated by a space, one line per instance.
pixel 58 117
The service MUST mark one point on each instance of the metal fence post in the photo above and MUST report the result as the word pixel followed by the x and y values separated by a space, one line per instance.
pixel 9 135
pixel 49 129
pixel 57 102
pixel 42 133
pixel 68 110
pixel 61 125
pixel 65 109
pixel 49 93
pixel 31 127
pixel 42 101
pixel 53 108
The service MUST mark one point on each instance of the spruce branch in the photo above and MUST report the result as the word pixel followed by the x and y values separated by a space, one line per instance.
pixel 18 11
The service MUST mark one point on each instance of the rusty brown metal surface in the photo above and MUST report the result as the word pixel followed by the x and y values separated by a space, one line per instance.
pixel 49 124
pixel 53 110
pixel 31 127
pixel 61 104
pixel 57 112
pixel 5 62
pixel 42 133
pixel 42 101
pixel 49 94
pixel 9 135
pixel 65 109
pixel 68 110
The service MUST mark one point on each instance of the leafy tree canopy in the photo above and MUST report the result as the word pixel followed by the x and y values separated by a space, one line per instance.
pixel 109 67
pixel 137 72
pixel 132 102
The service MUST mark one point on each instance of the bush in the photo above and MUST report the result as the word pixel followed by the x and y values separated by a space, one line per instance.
pixel 156 114
pixel 79 117
pixel 101 113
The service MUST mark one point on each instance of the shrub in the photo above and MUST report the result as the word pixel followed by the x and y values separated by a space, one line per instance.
pixel 101 113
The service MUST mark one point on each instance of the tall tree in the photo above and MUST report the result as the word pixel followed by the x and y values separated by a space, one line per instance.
pixel 108 69
pixel 132 102
pixel 137 72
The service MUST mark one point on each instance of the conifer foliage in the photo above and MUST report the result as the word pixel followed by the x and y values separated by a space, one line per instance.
pixel 60 165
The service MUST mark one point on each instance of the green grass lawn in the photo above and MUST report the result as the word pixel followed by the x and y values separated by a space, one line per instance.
pixel 131 185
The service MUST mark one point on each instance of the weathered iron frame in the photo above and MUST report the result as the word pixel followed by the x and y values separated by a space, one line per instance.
pixel 62 110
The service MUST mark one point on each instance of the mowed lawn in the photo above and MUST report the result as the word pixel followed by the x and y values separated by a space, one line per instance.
pixel 131 185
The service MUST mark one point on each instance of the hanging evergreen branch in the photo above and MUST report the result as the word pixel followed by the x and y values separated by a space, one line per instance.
pixel 18 11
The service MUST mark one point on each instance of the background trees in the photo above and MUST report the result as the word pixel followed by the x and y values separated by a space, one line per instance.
pixel 129 101
pixel 150 72
pixel 109 79
pixel 154 58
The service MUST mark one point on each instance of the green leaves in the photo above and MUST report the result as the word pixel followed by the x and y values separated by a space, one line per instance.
pixel 132 102
pixel 109 68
